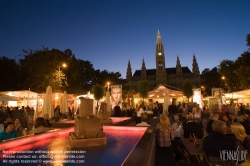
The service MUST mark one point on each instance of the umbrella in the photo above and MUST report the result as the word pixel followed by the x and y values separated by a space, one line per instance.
pixel 166 102
pixel 8 98
pixel 47 103
pixel 64 103
pixel 108 102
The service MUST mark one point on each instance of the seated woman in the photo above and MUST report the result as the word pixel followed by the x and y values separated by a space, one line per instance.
pixel 239 131
pixel 40 126
pixel 192 128
pixel 47 121
pixel 19 127
pixel 8 132
pixel 209 128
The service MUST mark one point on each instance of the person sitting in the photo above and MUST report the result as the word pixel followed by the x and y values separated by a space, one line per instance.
pixel 239 131
pixel 219 141
pixel 40 126
pixel 154 121
pixel 9 132
pixel 144 119
pixel 63 118
pixel 1 125
pixel 226 119
pixel 246 125
pixel 177 126
pixel 47 121
pixel 192 128
pixel 19 127
pixel 139 113
pixel 209 128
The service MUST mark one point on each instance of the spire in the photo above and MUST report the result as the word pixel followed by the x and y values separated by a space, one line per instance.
pixel 195 66
pixel 143 70
pixel 129 72
pixel 158 36
pixel 178 66
pixel 159 46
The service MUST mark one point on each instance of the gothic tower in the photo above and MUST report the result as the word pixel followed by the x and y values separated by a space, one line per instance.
pixel 161 76
pixel 129 72
pixel 195 67
pixel 143 71
pixel 178 66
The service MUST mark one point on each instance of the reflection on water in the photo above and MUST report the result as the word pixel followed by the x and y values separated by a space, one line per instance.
pixel 56 147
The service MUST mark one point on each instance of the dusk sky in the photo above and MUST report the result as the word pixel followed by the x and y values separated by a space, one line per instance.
pixel 108 33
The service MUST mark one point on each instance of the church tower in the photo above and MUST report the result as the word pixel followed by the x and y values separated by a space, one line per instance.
pixel 161 75
pixel 178 66
pixel 129 72
pixel 143 71
pixel 195 67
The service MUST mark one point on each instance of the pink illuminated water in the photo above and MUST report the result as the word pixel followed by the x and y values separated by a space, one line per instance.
pixel 120 142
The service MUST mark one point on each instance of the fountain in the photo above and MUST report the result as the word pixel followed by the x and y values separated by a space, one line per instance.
pixel 87 128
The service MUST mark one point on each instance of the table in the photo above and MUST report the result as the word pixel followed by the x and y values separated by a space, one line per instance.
pixel 192 149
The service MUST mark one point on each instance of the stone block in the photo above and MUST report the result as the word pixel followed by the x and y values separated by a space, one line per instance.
pixel 86 107
pixel 87 127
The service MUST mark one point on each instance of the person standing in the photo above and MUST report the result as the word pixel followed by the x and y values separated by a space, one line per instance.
pixel 172 109
pixel 164 137
pixel 117 111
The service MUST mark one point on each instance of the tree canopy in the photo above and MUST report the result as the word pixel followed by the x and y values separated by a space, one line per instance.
pixel 143 89
pixel 41 68
pixel 210 79
pixel 187 88
pixel 9 74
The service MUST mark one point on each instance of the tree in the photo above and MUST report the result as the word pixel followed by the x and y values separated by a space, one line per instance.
pixel 9 74
pixel 243 70
pixel 98 92
pixel 227 69
pixel 248 41
pixel 143 88
pixel 41 68
pixel 80 76
pixel 102 77
pixel 187 88
pixel 210 79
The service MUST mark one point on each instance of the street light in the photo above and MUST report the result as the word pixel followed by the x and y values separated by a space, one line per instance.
pixel 108 83
pixel 61 77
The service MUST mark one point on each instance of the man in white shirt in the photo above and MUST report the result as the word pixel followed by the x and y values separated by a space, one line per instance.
pixel 144 119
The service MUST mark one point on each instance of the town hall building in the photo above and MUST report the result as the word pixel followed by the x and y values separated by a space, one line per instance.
pixel 171 77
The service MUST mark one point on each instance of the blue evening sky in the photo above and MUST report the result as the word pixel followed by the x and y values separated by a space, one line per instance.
pixel 108 33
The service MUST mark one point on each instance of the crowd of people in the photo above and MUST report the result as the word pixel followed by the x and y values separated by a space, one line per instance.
pixel 16 122
pixel 227 130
